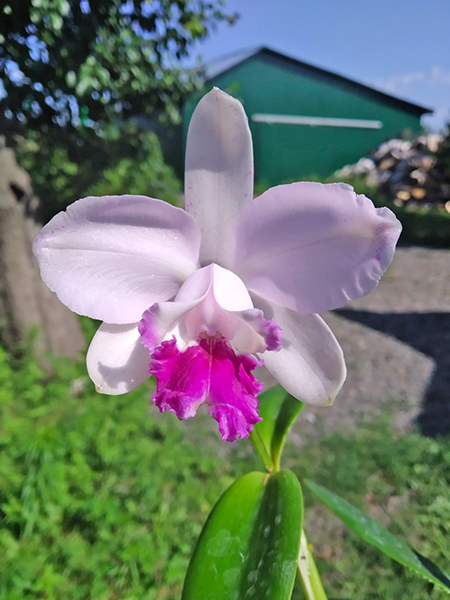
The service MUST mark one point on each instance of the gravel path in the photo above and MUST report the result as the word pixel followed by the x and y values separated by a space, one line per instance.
pixel 397 347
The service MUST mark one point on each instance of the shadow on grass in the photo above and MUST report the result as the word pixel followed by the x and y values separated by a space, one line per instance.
pixel 429 333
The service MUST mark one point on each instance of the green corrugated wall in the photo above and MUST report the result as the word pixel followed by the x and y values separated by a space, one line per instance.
pixel 290 152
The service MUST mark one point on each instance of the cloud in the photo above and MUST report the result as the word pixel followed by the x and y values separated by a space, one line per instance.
pixel 436 121
pixel 440 76
pixel 397 83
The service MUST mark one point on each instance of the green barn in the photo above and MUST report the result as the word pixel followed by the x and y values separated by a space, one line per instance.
pixel 305 121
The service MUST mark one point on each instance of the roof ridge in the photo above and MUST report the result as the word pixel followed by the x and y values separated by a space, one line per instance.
pixel 245 55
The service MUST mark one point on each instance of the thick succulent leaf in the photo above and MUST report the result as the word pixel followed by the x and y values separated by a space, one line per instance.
pixel 278 411
pixel 376 535
pixel 250 543
pixel 308 573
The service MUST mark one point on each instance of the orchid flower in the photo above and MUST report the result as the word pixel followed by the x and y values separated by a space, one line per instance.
pixel 201 297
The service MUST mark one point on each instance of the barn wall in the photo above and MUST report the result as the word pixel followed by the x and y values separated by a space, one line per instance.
pixel 288 152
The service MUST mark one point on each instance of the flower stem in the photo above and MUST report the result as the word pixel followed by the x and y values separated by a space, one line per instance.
pixel 261 449
pixel 308 573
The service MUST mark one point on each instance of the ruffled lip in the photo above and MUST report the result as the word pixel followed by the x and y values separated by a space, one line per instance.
pixel 208 372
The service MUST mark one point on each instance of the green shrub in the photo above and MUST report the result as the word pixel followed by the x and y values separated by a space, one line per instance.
pixel 64 168
pixel 145 174
pixel 443 151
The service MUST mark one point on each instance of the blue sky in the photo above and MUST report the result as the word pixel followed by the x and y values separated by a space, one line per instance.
pixel 399 46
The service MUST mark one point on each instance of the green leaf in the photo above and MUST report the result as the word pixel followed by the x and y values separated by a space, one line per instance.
pixel 270 403
pixel 308 573
pixel 250 543
pixel 279 411
pixel 376 535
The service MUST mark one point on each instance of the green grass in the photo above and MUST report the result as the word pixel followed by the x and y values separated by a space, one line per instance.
pixel 97 498
pixel 401 481
pixel 101 500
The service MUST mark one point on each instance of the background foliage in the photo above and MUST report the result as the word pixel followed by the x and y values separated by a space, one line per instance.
pixel 92 63
pixel 84 81
pixel 97 500
pixel 62 172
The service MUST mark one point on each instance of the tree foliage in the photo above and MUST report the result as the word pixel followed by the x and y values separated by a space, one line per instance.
pixel 90 63
pixel 85 80
pixel 64 171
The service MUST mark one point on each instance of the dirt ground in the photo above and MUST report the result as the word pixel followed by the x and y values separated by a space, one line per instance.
pixel 397 347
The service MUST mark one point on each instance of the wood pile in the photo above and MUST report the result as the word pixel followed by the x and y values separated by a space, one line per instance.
pixel 406 171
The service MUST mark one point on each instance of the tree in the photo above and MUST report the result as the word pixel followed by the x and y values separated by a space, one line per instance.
pixel 25 302
pixel 76 71
pixel 91 63
pixel 73 73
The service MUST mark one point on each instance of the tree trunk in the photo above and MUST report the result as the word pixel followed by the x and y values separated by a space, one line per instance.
pixel 24 300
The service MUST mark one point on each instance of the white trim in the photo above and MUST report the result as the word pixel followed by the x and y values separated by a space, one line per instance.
pixel 314 121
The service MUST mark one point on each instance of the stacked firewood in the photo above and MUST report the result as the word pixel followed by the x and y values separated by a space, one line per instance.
pixel 408 172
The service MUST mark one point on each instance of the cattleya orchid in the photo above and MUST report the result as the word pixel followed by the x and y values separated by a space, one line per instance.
pixel 202 298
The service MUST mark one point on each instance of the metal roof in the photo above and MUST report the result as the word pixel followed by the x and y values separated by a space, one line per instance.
pixel 230 61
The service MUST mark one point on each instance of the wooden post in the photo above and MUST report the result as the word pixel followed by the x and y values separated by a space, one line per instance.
pixel 24 300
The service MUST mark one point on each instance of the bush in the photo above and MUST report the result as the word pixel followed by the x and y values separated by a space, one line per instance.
pixel 65 168
pixel 443 151
pixel 142 174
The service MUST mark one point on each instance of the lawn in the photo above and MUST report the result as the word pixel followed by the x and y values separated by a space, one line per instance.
pixel 102 498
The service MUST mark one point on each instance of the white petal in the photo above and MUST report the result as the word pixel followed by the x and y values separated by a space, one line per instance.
pixel 264 376
pixel 219 172
pixel 225 309
pixel 229 291
pixel 310 364
pixel 311 247
pixel 110 258
pixel 164 320
pixel 116 361
pixel 212 301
